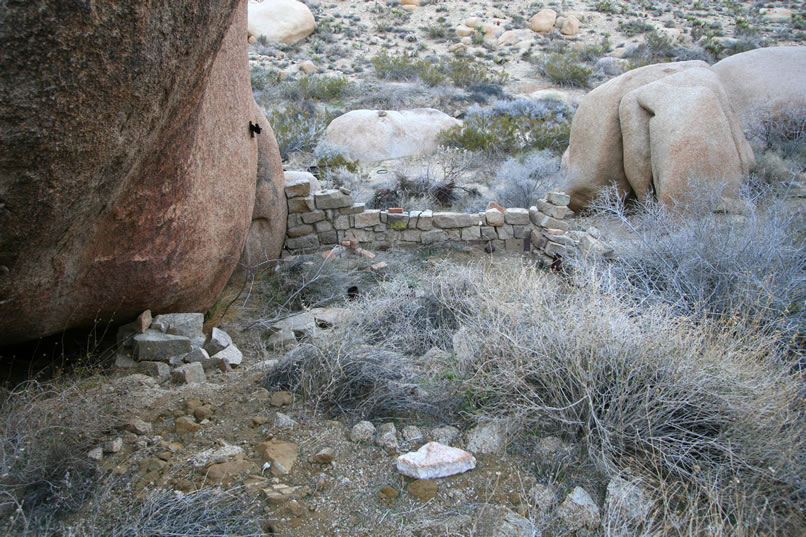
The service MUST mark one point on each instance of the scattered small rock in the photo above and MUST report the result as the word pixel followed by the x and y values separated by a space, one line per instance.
pixel 230 356
pixel 412 433
pixel 138 426
pixel 445 435
pixel 387 437
pixel 215 455
pixel 435 460
pixel 363 431
pixel 227 471
pixel 487 438
pixel 284 421
pixel 219 340
pixel 185 424
pixel 96 454
pixel 388 493
pixel 189 374
pixel 325 455
pixel 498 521
pixel 113 446
pixel 203 412
pixel 578 511
pixel 280 454
pixel 279 399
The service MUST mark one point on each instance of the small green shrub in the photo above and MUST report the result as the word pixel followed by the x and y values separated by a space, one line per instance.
pixel 437 31
pixel 263 77
pixel 317 87
pixel 565 70
pixel 330 163
pixel 591 53
pixel 297 127
pixel 431 74
pixel 463 72
pixel 634 27
pixel 404 67
pixel 512 126
pixel 606 6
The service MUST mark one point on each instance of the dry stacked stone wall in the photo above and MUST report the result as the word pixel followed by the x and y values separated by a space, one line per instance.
pixel 327 218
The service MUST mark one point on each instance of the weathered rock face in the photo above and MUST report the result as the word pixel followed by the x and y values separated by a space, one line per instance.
pixel 266 233
pixel 764 84
pixel 657 127
pixel 678 128
pixel 127 170
pixel 594 158
pixel 372 135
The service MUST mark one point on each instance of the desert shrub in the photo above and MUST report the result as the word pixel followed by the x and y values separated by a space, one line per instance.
pixel 748 269
pixel 591 53
pixel 463 72
pixel 703 412
pixel 437 31
pixel 328 164
pixel 565 70
pixel 302 282
pixel 403 190
pixel 397 67
pixel 297 126
pixel 45 434
pixel 372 367
pixel 431 74
pixel 437 183
pixel 521 182
pixel 364 382
pixel 203 513
pixel 483 92
pixel 655 48
pixel 607 6
pixel 512 126
pixel 785 134
pixel 261 78
pixel 634 27
pixel 320 88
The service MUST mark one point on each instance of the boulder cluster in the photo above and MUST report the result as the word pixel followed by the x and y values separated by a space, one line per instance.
pixel 174 345
pixel 654 129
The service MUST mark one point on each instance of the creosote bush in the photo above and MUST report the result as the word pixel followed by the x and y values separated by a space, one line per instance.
pixel 520 183
pixel 45 434
pixel 565 70
pixel 316 87
pixel 203 513
pixel 512 126
pixel 703 412
pixel 748 268
pixel 297 126
pixel 462 72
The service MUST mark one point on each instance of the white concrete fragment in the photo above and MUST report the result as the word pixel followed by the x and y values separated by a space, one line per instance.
pixel 231 355
pixel 435 460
